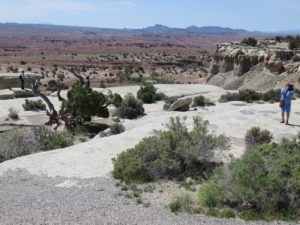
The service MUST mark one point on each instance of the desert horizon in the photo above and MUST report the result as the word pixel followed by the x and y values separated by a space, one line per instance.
pixel 141 112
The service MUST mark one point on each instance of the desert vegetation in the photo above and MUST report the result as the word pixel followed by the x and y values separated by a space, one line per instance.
pixel 201 101
pixel 24 141
pixel 175 153
pixel 293 41
pixel 130 108
pixel 34 105
pixel 261 185
pixel 249 96
pixel 250 41
pixel 148 94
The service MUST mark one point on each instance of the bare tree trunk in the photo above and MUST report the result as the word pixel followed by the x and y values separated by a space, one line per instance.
pixel 52 113
pixel 61 99
pixel 76 73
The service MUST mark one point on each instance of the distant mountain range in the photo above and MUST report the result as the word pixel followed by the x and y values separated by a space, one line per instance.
pixel 53 30
pixel 45 29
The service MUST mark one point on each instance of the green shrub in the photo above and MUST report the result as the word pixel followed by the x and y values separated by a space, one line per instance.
pixel 243 95
pixel 54 85
pixel 227 213
pixel 294 42
pixel 250 41
pixel 201 101
pixel 229 97
pixel 33 105
pixel 130 108
pixel 117 128
pixel 175 153
pixel 13 114
pixel 210 194
pixel 83 103
pixel 256 136
pixel 271 95
pixel 114 99
pixel 148 94
pixel 250 96
pixel 117 100
pixel 180 204
pixel 50 140
pixel 24 94
pixel 265 181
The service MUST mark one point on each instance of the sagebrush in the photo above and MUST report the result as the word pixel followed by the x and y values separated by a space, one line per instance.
pixel 175 153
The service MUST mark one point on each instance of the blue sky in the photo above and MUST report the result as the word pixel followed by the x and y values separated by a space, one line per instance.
pixel 263 15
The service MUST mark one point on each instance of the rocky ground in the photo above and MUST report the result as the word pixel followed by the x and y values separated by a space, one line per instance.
pixel 74 185
pixel 31 199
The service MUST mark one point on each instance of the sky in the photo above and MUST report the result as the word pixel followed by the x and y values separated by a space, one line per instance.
pixel 253 15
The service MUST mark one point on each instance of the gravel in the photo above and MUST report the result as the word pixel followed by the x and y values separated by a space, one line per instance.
pixel 32 199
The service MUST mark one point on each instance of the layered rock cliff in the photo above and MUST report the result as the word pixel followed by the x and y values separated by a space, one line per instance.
pixel 262 67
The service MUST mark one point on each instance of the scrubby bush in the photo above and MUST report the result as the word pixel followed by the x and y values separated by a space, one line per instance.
pixel 210 194
pixel 243 95
pixel 24 141
pixel 250 96
pixel 256 136
pixel 294 42
pixel 117 128
pixel 51 140
pixel 271 95
pixel 148 94
pixel 250 41
pixel 130 107
pixel 13 114
pixel 201 101
pixel 265 181
pixel 54 85
pixel 175 153
pixel 229 97
pixel 33 105
pixel 181 203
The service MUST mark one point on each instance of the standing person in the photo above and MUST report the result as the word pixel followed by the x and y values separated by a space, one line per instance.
pixel 88 83
pixel 286 96
pixel 22 78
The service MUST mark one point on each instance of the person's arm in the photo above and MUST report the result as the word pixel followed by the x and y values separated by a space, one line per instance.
pixel 282 92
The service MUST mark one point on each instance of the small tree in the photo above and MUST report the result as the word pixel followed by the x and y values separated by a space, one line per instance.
pixel 83 103
pixel 250 41
pixel 148 94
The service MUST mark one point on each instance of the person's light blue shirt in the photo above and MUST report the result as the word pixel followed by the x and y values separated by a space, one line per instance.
pixel 286 95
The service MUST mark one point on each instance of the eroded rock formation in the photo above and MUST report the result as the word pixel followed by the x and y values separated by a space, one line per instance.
pixel 234 61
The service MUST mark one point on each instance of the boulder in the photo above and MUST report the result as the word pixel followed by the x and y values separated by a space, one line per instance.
pixel 6 94
pixel 182 104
